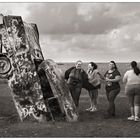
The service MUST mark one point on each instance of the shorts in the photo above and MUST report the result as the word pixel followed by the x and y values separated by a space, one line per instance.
pixel 132 90
pixel 98 86
pixel 94 93
pixel 133 94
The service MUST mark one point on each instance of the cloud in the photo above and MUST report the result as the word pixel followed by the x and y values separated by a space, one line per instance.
pixel 120 44
pixel 68 18
pixel 54 17
pixel 17 9
pixel 86 31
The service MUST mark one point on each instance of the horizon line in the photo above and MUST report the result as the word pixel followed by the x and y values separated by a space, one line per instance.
pixel 94 61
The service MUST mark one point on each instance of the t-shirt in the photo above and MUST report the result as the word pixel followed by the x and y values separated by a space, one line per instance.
pixel 131 78
pixel 112 75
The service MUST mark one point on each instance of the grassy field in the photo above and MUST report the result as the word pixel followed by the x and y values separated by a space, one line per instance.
pixel 89 124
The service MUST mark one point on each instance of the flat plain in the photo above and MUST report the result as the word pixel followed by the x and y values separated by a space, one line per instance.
pixel 90 124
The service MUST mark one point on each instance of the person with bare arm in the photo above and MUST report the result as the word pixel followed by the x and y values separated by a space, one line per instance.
pixel 132 89
pixel 95 81
pixel 112 78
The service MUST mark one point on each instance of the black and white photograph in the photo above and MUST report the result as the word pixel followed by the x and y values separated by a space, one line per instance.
pixel 69 69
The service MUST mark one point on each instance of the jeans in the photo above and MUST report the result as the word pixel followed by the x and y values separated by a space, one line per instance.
pixel 75 93
pixel 111 96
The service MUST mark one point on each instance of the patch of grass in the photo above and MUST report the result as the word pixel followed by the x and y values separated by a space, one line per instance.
pixel 89 124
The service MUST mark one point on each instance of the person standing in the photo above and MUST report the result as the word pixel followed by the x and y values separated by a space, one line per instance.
pixel 94 79
pixel 132 90
pixel 75 77
pixel 112 78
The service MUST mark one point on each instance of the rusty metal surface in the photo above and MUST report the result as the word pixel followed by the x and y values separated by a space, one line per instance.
pixel 60 89
pixel 23 79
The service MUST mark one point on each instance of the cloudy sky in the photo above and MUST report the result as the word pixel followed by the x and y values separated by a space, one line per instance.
pixel 97 32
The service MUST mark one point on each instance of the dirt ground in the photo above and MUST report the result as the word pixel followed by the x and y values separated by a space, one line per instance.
pixel 89 124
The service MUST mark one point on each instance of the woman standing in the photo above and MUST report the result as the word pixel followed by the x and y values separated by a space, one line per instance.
pixel 112 77
pixel 132 90
pixel 75 77
pixel 94 80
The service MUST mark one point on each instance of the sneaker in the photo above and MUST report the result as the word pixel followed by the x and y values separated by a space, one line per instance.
pixel 93 110
pixel 136 119
pixel 131 118
pixel 88 109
